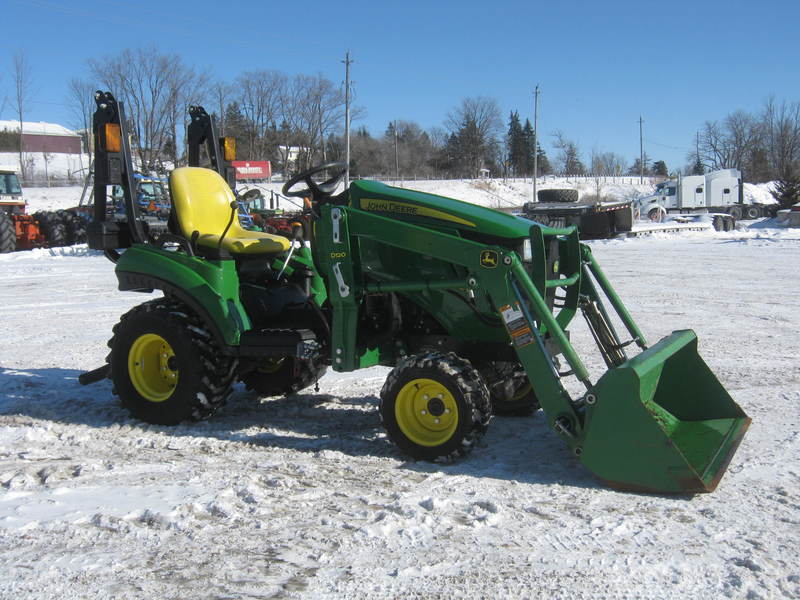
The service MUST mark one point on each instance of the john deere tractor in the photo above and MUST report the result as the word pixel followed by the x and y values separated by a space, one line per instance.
pixel 469 306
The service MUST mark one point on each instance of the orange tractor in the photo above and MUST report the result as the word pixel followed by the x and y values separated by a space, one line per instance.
pixel 21 231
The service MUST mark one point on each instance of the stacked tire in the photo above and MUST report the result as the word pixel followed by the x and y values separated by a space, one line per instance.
pixel 53 228
pixel 75 226
pixel 8 234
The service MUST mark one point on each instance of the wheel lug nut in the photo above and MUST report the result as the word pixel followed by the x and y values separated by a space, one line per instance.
pixel 436 421
pixel 423 412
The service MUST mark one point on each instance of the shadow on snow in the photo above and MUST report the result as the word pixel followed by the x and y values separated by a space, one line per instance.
pixel 521 449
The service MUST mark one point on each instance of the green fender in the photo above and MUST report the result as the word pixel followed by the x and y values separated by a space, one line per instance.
pixel 209 287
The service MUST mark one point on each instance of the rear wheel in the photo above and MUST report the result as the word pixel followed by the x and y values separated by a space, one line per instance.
pixel 283 375
pixel 735 212
pixel 752 212
pixel 165 365
pixel 435 406
pixel 8 234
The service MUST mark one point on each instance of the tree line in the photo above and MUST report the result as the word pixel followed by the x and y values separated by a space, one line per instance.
pixel 269 112
pixel 763 145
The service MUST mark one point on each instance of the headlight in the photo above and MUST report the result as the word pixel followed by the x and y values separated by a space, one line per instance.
pixel 527 253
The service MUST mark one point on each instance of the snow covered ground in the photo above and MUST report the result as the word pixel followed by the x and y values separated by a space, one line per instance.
pixel 305 497
pixel 320 500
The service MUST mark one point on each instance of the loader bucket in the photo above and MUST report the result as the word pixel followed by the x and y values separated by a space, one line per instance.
pixel 662 422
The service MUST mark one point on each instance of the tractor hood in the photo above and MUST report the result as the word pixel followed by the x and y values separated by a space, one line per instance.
pixel 430 209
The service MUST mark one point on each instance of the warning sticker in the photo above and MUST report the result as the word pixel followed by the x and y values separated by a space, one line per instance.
pixel 513 318
pixel 522 338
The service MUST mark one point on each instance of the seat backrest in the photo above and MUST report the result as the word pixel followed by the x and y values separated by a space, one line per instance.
pixel 201 201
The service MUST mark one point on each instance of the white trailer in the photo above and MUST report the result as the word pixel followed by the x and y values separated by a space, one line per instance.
pixel 719 193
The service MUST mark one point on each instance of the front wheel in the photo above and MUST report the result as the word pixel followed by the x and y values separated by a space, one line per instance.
pixel 166 367
pixel 656 215
pixel 435 406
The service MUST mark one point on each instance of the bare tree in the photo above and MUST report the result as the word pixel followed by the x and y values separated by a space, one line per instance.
pixel 152 85
pixel 186 87
pixel 80 97
pixel 220 93
pixel 606 164
pixel 260 93
pixel 782 130
pixel 312 108
pixel 475 126
pixel 568 158
pixel 23 90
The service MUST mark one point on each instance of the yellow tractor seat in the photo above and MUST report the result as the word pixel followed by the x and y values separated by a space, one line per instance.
pixel 201 201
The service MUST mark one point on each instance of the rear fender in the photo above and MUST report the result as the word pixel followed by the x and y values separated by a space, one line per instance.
pixel 209 287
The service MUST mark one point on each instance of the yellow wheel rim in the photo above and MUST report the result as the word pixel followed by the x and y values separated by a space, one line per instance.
pixel 426 412
pixel 151 367
pixel 521 392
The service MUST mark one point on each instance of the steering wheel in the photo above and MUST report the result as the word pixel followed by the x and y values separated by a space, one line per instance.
pixel 319 191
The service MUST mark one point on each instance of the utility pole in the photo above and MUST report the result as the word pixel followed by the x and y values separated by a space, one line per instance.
pixel 535 139
pixel 347 62
pixel 641 151
pixel 396 157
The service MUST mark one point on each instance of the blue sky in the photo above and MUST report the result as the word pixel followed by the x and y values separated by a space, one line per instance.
pixel 599 64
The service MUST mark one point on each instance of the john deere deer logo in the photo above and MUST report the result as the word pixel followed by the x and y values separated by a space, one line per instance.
pixel 488 259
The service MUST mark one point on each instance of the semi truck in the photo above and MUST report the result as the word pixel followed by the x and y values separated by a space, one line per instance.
pixel 720 192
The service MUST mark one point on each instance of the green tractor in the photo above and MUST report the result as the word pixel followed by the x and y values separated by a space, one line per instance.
pixel 469 306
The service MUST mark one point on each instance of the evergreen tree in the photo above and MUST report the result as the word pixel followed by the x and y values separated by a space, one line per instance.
pixel 697 168
pixel 660 168
pixel 517 146
pixel 543 164
pixel 527 136
pixel 635 168
pixel 787 190
pixel 236 126
pixel 9 140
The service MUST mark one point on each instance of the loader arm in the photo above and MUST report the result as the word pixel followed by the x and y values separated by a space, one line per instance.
pixel 657 422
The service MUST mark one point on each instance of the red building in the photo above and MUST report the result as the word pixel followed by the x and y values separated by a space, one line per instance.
pixel 47 138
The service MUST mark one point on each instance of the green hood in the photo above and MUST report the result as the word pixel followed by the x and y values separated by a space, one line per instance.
pixel 430 209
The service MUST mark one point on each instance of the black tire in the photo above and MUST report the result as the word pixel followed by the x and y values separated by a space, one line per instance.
pixel 8 233
pixel 509 389
pixel 52 227
pixel 623 219
pixel 728 223
pixel 735 211
pixel 445 424
pixel 202 376
pixel 75 226
pixel 282 376
pixel 557 195
pixel 717 222
pixel 656 215
pixel 752 212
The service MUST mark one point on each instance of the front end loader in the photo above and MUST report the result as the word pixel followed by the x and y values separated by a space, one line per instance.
pixel 469 306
